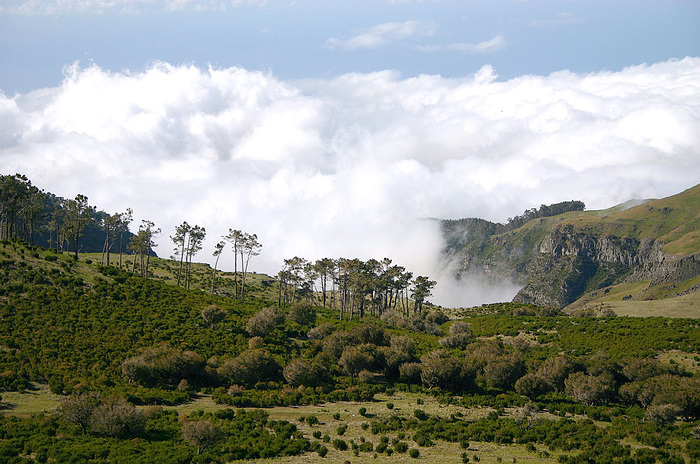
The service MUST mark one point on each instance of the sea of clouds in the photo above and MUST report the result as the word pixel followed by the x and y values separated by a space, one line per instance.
pixel 354 165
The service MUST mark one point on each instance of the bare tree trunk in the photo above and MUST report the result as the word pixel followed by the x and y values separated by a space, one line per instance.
pixel 121 244
pixel 182 255
pixel 213 275
pixel 148 260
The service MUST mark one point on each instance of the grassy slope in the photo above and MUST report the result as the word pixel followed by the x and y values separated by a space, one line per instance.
pixel 41 400
pixel 112 320
pixel 639 299
pixel 673 220
pixel 166 270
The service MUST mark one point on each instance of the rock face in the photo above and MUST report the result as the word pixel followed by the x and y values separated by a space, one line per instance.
pixel 559 257
pixel 569 263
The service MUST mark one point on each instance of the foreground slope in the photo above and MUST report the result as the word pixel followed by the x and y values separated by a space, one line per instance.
pixel 505 381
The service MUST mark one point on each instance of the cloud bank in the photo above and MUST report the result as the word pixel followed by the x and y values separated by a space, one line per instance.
pixel 352 166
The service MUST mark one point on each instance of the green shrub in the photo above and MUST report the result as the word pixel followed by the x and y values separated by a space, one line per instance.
pixel 340 445
pixel 401 447
pixel 420 414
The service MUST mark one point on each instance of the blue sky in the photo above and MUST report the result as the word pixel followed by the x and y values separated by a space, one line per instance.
pixel 294 39
pixel 335 128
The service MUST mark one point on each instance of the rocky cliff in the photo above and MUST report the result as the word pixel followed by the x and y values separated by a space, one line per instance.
pixel 569 263
pixel 557 259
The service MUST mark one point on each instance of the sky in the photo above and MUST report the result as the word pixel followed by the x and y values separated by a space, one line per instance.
pixel 338 128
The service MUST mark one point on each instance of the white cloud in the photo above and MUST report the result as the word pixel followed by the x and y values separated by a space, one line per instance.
pixel 351 166
pixel 383 34
pixel 487 46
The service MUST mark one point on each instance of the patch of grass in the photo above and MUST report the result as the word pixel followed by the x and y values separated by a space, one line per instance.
pixel 644 300
pixel 686 306
pixel 687 361
pixel 166 270
pixel 37 400
pixel 441 453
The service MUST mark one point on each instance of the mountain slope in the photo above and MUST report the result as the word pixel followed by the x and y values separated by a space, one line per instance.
pixel 557 259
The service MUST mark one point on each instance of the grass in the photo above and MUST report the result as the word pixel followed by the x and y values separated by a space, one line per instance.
pixel 41 400
pixel 687 361
pixel 35 401
pixel 441 453
pixel 686 306
pixel 673 220
pixel 644 300
pixel 166 270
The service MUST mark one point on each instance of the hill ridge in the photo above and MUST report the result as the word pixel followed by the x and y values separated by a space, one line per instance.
pixel 559 258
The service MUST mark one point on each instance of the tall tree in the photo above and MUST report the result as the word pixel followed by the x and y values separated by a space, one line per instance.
pixel 292 278
pixel 109 224
pixel 422 288
pixel 142 245
pixel 180 240
pixel 235 238
pixel 125 219
pixel 194 246
pixel 55 227
pixel 250 247
pixel 150 233
pixel 13 193
pixel 218 249
pixel 324 268
pixel 78 215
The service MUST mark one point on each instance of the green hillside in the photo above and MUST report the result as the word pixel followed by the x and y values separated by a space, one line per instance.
pixel 560 258
pixel 41 218
pixel 107 364
pixel 674 220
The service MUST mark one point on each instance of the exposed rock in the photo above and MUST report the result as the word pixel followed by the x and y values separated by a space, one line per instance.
pixel 570 263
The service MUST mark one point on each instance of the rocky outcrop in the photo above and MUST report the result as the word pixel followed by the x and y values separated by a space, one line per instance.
pixel 571 262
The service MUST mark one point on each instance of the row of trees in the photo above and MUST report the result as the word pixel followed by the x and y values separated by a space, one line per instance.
pixel 32 215
pixel 356 286
pixel 20 205
pixel 188 241
pixel 245 246
pixel 544 211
